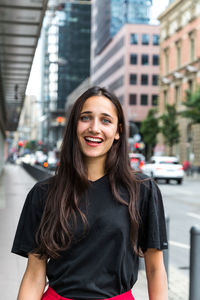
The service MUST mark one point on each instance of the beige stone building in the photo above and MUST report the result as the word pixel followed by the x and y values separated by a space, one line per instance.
pixel 180 68
pixel 28 128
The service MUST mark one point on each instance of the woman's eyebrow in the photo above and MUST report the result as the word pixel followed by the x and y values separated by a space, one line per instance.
pixel 90 112
pixel 86 112
pixel 107 115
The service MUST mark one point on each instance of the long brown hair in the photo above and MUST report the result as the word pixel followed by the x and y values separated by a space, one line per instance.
pixel 70 182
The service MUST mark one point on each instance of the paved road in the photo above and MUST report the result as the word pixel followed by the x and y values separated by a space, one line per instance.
pixel 182 205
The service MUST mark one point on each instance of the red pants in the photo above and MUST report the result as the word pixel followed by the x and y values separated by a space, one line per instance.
pixel 50 294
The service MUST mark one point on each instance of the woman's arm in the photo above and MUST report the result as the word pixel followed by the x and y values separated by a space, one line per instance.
pixel 156 275
pixel 34 279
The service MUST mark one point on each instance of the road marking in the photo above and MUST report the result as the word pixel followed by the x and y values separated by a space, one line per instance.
pixel 176 244
pixel 193 215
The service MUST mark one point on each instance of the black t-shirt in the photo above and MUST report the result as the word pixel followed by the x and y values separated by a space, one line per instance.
pixel 101 262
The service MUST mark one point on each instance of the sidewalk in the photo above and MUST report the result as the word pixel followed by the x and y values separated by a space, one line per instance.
pixel 14 186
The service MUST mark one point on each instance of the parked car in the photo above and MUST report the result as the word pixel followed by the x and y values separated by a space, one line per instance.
pixel 164 167
pixel 52 160
pixel 137 160
pixel 40 157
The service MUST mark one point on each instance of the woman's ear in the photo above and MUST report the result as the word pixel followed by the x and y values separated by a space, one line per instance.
pixel 117 135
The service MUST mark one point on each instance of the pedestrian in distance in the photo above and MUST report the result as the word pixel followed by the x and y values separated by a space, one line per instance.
pixel 187 167
pixel 85 228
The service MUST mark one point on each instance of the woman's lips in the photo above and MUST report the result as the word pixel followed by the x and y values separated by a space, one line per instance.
pixel 93 141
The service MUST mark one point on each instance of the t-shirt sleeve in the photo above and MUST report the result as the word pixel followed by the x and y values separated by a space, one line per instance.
pixel 24 241
pixel 152 233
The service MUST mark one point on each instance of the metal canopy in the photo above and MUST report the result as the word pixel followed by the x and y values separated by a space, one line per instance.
pixel 20 25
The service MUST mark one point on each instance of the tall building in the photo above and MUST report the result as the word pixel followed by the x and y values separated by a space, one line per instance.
pixel 129 64
pixel 179 50
pixel 66 61
pixel 73 48
pixel 111 15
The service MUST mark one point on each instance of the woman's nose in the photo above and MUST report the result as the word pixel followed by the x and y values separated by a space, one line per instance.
pixel 94 126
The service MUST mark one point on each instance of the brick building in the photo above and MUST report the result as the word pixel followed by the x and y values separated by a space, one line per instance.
pixel 129 67
pixel 180 68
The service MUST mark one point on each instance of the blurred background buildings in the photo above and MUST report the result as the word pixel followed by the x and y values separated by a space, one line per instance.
pixel 66 53
pixel 180 69
pixel 110 43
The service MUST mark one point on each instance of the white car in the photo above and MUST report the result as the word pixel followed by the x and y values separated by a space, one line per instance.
pixel 164 167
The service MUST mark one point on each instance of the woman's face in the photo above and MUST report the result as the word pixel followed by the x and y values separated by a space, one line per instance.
pixel 97 127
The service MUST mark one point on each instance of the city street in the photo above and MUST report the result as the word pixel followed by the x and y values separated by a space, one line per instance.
pixel 182 205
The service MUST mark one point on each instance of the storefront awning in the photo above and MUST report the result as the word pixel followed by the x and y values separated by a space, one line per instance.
pixel 20 25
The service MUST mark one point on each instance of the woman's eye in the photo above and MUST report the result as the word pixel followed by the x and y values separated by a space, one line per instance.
pixel 106 121
pixel 84 118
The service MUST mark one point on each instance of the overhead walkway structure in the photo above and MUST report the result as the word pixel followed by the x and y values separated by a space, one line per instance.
pixel 20 26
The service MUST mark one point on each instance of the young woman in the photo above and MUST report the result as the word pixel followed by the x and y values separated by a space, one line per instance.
pixel 85 227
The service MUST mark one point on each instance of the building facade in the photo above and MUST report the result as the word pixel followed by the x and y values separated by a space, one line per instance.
pixel 66 62
pixel 110 15
pixel 2 129
pixel 180 69
pixel 129 67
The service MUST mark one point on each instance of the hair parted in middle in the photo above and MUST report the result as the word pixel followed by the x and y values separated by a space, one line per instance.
pixel 56 230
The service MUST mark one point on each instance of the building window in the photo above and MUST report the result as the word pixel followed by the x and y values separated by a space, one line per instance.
pixel 144 79
pixel 133 59
pixel 177 94
pixel 144 99
pixel 192 47
pixel 165 95
pixel 155 60
pixel 134 39
pixel 154 79
pixel 133 79
pixel 145 39
pixel 133 99
pixel 154 100
pixel 156 39
pixel 190 85
pixel 178 54
pixel 166 55
pixel 145 59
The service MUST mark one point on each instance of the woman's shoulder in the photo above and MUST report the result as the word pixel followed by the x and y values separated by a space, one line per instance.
pixel 44 184
pixel 39 191
pixel 141 176
pixel 143 180
pixel 147 187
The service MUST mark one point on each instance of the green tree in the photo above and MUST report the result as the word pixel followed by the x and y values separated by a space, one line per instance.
pixel 31 145
pixel 149 129
pixel 169 127
pixel 192 104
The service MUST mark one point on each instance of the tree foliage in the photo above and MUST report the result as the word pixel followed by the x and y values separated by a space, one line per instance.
pixel 192 104
pixel 169 126
pixel 31 145
pixel 149 129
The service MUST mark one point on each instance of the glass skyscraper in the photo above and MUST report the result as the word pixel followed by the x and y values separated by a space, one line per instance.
pixel 74 49
pixel 66 60
pixel 112 14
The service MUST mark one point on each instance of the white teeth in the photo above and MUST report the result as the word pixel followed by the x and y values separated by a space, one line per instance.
pixel 93 139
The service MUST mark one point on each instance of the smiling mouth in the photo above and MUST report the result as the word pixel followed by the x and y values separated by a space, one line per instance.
pixel 93 140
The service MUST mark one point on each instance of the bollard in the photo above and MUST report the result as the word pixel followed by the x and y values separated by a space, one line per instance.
pixel 166 251
pixel 194 292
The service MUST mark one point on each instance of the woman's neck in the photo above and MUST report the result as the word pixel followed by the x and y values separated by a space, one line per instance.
pixel 96 168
